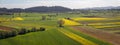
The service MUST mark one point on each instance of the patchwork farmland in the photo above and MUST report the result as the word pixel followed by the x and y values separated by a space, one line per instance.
pixel 75 30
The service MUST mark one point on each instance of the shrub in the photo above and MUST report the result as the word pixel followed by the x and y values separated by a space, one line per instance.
pixel 33 29
pixel 42 29
pixel 2 35
pixel 7 34
pixel 23 31
pixel 69 18
pixel 14 33
pixel 43 17
pixel 60 23
pixel 28 31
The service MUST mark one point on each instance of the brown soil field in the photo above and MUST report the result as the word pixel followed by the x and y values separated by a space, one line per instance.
pixel 99 34
pixel 112 28
pixel 6 28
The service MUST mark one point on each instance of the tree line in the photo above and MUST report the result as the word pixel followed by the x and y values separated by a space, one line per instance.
pixel 12 33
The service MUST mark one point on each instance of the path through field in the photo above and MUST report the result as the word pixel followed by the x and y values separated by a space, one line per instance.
pixel 114 39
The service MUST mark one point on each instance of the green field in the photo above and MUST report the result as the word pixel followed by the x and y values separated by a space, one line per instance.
pixel 51 36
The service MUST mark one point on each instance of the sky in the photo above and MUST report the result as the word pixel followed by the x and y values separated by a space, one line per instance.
pixel 73 4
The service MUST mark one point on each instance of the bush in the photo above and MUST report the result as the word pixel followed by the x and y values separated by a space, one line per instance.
pixel 2 35
pixel 33 29
pixel 7 34
pixel 23 31
pixel 42 29
pixel 69 18
pixel 60 23
pixel 28 31
pixel 14 33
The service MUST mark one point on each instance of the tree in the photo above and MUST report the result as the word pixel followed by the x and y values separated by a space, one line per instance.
pixel 23 31
pixel 68 18
pixel 2 35
pixel 43 17
pixel 42 29
pixel 33 29
pixel 14 33
pixel 7 34
pixel 60 23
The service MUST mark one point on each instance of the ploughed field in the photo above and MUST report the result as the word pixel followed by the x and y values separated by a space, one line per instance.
pixel 70 34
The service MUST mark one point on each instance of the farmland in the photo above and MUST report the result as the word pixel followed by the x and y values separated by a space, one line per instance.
pixel 55 35
pixel 106 24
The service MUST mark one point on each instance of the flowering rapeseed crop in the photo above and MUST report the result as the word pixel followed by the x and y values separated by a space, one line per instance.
pixel 69 22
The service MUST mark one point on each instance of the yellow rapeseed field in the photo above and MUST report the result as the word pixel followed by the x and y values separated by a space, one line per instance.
pixel 17 18
pixel 104 23
pixel 114 23
pixel 77 38
pixel 4 19
pixel 77 19
pixel 69 22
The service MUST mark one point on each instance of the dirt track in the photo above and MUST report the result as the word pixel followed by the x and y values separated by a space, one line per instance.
pixel 111 38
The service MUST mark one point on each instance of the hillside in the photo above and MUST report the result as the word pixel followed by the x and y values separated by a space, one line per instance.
pixel 37 9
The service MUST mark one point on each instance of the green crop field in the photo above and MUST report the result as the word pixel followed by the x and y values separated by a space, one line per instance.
pixel 53 35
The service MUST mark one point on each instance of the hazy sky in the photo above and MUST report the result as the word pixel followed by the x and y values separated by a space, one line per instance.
pixel 65 3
